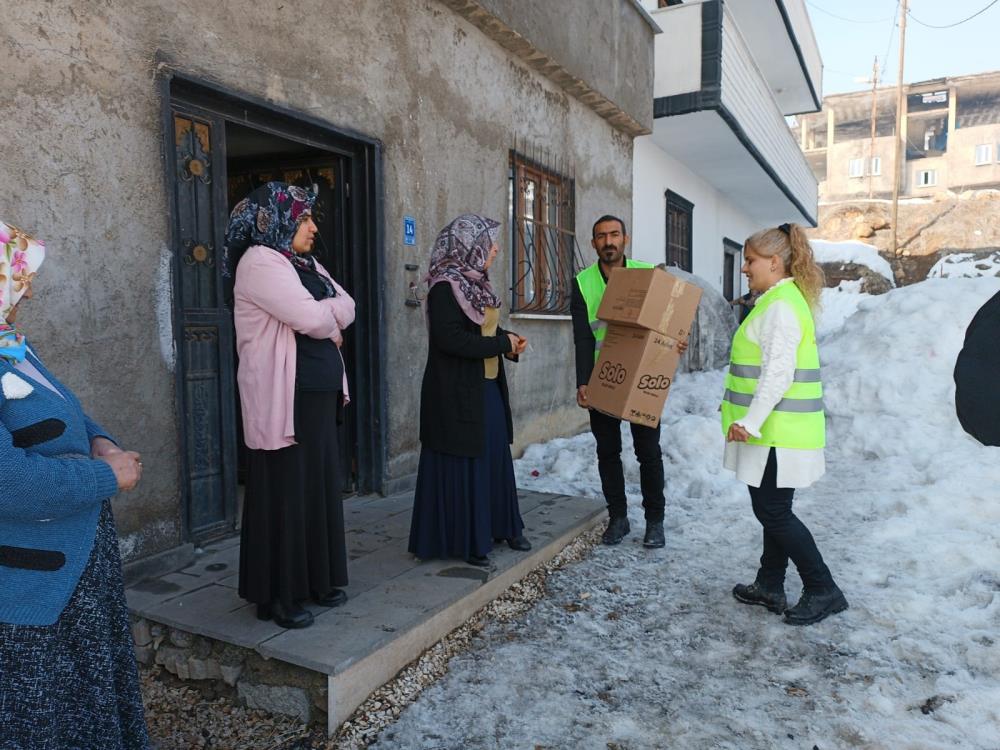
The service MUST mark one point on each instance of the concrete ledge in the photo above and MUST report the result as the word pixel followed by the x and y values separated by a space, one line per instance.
pixel 159 564
pixel 350 688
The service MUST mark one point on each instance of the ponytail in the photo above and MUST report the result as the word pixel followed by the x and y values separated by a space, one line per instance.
pixel 790 243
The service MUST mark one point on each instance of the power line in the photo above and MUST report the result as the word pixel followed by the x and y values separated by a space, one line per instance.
pixel 888 47
pixel 957 23
pixel 842 18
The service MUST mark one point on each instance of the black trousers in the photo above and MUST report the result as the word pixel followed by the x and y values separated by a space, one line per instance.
pixel 785 536
pixel 646 440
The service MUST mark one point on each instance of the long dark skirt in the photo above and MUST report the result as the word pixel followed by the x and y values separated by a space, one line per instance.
pixel 461 504
pixel 292 545
pixel 74 684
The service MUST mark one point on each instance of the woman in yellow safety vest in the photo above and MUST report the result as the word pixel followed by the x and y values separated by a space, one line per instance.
pixel 773 420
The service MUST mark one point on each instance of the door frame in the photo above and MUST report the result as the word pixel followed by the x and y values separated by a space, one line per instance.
pixel 367 213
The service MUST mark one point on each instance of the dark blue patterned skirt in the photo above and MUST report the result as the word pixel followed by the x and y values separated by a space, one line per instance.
pixel 462 504
pixel 74 684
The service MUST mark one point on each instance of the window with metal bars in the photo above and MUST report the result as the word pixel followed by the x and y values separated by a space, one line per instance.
pixel 543 240
pixel 680 214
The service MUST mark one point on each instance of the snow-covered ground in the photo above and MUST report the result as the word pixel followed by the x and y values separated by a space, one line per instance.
pixel 647 649
pixel 852 251
pixel 967 265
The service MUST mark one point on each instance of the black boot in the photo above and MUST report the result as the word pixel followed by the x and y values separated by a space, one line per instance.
pixel 333 598
pixel 617 529
pixel 519 543
pixel 815 606
pixel 480 561
pixel 654 535
pixel 286 617
pixel 771 597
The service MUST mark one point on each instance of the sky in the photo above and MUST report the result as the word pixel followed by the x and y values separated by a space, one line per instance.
pixel 848 47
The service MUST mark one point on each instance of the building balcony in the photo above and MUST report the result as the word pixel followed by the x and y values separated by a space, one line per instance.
pixel 716 111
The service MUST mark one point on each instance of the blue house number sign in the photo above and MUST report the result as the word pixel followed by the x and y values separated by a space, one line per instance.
pixel 409 230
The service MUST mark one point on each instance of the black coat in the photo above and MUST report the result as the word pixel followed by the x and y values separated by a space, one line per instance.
pixel 976 399
pixel 452 411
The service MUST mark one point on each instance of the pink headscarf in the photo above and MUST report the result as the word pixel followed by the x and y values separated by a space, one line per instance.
pixel 459 259
pixel 20 257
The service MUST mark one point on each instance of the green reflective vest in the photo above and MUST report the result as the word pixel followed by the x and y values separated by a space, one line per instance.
pixel 798 420
pixel 592 286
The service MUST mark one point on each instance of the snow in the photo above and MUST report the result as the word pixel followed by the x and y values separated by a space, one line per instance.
pixel 851 251
pixel 837 305
pixel 659 654
pixel 966 265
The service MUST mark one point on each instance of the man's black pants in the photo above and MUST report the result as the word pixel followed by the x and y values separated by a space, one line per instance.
pixel 785 536
pixel 607 431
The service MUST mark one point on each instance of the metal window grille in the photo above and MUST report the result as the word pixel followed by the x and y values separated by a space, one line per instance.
pixel 544 249
pixel 679 231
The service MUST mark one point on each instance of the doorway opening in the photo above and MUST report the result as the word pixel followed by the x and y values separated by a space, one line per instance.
pixel 254 158
pixel 220 147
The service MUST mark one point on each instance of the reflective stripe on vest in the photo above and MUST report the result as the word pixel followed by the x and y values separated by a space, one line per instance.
pixel 798 420
pixel 592 286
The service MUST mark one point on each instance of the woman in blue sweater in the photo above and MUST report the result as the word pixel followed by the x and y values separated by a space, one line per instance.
pixel 67 672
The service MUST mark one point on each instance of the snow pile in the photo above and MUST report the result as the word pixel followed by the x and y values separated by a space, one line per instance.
pixel 837 305
pixel 851 251
pixel 641 649
pixel 966 265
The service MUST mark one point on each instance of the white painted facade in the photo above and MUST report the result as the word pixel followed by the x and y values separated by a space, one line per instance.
pixel 726 76
pixel 714 215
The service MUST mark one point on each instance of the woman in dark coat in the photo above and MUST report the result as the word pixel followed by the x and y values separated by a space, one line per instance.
pixel 466 496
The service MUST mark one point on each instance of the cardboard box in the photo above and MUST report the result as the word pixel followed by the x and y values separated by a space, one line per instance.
pixel 650 298
pixel 633 375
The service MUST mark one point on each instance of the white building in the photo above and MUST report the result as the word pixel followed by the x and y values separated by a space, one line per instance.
pixel 721 161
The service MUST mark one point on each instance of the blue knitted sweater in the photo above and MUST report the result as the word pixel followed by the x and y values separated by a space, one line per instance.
pixel 51 493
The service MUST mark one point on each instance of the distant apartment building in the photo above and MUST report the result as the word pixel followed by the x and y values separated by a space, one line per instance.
pixel 951 128
pixel 721 163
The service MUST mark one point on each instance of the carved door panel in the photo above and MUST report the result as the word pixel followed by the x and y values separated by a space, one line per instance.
pixel 203 323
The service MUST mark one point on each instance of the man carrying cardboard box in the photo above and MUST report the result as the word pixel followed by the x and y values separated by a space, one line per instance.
pixel 609 239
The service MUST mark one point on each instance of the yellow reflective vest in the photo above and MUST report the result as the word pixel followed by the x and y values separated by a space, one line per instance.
pixel 592 286
pixel 798 420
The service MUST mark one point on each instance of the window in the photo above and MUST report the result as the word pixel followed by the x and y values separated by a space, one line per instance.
pixel 927 178
pixel 984 154
pixel 876 166
pixel 730 269
pixel 543 211
pixel 856 168
pixel 679 231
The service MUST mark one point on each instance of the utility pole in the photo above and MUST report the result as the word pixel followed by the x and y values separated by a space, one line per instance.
pixel 897 165
pixel 871 150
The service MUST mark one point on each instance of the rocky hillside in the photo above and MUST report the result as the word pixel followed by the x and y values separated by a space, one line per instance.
pixel 928 228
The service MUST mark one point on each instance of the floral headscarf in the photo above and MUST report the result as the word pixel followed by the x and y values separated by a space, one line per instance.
pixel 459 259
pixel 269 216
pixel 20 257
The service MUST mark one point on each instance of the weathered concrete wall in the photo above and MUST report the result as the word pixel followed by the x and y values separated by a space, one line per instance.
pixel 82 168
pixel 605 44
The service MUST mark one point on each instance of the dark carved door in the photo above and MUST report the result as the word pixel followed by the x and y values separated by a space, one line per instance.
pixel 202 322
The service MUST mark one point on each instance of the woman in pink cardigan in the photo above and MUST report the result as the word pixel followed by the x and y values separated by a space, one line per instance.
pixel 289 316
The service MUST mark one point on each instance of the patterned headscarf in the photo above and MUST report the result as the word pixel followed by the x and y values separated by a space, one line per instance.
pixel 459 258
pixel 20 258
pixel 269 216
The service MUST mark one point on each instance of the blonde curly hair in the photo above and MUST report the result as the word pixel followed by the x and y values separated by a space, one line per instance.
pixel 796 253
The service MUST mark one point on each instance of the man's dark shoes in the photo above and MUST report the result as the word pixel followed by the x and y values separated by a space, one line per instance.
pixel 771 597
pixel 480 561
pixel 815 606
pixel 519 543
pixel 286 617
pixel 334 598
pixel 617 529
pixel 654 535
